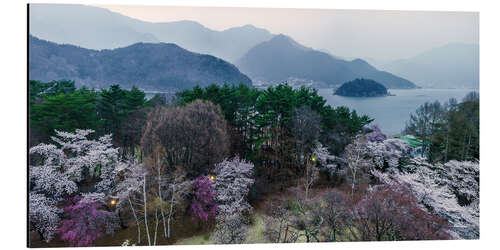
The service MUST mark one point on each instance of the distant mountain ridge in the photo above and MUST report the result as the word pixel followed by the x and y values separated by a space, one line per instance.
pixel 449 66
pixel 281 58
pixel 98 28
pixel 158 66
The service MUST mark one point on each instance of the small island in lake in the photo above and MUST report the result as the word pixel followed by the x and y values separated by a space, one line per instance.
pixel 362 88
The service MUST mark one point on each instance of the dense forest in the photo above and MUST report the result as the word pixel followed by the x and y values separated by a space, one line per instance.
pixel 448 131
pixel 234 164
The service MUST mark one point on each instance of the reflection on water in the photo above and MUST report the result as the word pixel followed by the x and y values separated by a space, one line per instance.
pixel 392 112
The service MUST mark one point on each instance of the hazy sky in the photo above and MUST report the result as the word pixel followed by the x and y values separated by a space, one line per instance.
pixel 373 34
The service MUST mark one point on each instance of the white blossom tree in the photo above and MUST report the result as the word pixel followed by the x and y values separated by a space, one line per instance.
pixel 355 159
pixel 450 191
pixel 129 188
pixel 324 158
pixel 387 152
pixel 58 170
pixel 43 215
pixel 234 178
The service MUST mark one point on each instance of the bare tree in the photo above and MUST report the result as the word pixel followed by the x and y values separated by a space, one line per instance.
pixel 232 230
pixel 337 213
pixel 354 156
pixel 306 218
pixel 391 212
pixel 194 136
pixel 277 223
pixel 306 130
pixel 144 194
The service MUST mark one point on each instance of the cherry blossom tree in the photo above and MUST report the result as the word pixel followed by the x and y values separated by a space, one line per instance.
pixel 233 180
pixel 86 222
pixel 391 212
pixel 128 188
pixel 375 134
pixel 203 206
pixel 61 170
pixel 43 215
pixel 388 153
pixel 449 191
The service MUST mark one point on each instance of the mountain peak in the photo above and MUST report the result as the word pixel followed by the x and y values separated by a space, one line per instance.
pixel 283 40
pixel 150 66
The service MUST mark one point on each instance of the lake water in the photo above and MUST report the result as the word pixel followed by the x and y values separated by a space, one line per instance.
pixel 392 112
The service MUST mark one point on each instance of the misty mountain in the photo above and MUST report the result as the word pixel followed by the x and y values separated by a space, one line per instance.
pixel 150 66
pixel 449 66
pixel 281 58
pixel 99 28
pixel 88 27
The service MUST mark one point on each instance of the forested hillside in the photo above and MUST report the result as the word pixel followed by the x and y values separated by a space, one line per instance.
pixel 158 67
pixel 281 57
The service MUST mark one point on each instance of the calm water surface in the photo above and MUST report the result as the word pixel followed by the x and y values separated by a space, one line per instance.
pixel 392 112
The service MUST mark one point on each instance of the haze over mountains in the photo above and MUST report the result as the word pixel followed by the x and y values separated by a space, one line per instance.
pixel 256 52
pixel 150 66
pixel 98 28
pixel 281 57
pixel 449 66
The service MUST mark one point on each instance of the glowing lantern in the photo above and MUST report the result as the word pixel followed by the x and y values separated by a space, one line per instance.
pixel 212 177
pixel 112 202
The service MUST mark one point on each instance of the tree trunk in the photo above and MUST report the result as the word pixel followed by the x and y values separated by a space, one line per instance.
pixel 447 145
pixel 161 205
pixel 307 179
pixel 146 211
pixel 171 210
pixel 286 234
pixel 156 226
pixel 136 221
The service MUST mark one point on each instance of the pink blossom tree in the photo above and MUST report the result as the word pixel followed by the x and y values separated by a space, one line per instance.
pixel 375 134
pixel 203 206
pixel 85 222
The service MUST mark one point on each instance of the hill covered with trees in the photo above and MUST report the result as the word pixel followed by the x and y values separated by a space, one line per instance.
pixel 158 67
pixel 281 57
pixel 361 88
